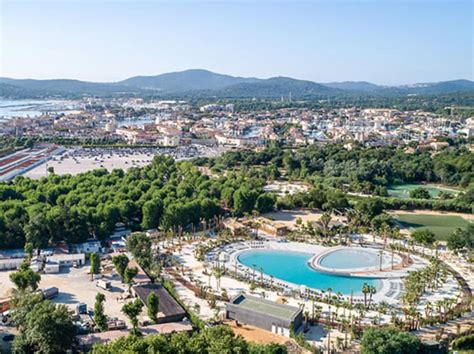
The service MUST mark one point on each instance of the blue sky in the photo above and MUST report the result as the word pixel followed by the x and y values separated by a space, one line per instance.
pixel 383 41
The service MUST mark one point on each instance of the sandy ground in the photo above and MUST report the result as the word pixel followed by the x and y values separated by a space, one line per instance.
pixel 283 188
pixel 431 212
pixel 288 217
pixel 257 335
pixel 75 286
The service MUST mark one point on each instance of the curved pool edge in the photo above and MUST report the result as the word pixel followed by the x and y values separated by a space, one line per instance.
pixel 389 287
pixel 364 272
pixel 379 283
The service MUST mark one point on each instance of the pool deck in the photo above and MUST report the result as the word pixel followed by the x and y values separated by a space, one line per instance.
pixel 391 284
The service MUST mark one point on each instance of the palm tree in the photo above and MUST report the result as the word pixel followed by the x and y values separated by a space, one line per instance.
pixel 428 308
pixel 328 328
pixel 329 294
pixel 325 220
pixel 306 319
pixel 392 249
pixel 372 291
pixel 218 275
pixel 381 258
pixel 365 291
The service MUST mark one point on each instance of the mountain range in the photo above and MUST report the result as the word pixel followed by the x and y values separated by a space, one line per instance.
pixel 204 83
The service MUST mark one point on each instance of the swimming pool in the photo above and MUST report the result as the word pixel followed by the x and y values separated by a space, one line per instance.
pixel 293 267
pixel 350 258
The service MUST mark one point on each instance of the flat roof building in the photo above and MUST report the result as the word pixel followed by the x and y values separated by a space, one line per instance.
pixel 265 314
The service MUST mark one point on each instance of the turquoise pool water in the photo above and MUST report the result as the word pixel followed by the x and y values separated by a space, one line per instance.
pixel 350 258
pixel 293 267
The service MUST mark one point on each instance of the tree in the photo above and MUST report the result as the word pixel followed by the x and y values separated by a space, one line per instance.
pixel 265 202
pixel 151 211
pixel 420 193
pixel 99 317
pixel 22 303
pixel 139 245
pixel 365 291
pixel 462 238
pixel 153 307
pixel 132 310
pixel 218 339
pixel 389 340
pixel 46 328
pixel 130 273
pixel 325 220
pixel 120 263
pixel 423 237
pixel 25 278
pixel 36 230
pixel 369 207
pixel 244 200
pixel 95 263
pixel 28 250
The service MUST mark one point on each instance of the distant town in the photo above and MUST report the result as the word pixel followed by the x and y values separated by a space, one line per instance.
pixel 183 130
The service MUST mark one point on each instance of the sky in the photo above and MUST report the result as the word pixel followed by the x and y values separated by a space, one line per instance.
pixel 387 42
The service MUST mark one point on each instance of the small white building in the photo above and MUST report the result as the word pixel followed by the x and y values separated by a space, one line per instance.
pixel 51 267
pixel 10 263
pixel 67 260
pixel 86 247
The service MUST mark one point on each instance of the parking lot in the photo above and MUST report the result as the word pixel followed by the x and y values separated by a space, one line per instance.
pixel 75 161
pixel 75 286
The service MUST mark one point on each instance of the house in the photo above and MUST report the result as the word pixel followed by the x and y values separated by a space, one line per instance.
pixel 235 226
pixel 270 227
pixel 265 314
pixel 169 309
pixel 90 246
pixel 67 260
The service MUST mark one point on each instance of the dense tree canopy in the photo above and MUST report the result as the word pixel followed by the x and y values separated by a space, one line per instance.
pixel 213 340
pixel 389 340
pixel 74 208
pixel 44 327
pixel 361 167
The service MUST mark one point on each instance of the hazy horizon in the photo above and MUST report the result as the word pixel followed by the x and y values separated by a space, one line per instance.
pixel 257 77
pixel 386 42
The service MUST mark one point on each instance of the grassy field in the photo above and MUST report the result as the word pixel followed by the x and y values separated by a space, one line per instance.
pixel 441 225
pixel 403 190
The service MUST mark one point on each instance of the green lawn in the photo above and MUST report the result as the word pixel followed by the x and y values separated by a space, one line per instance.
pixel 403 190
pixel 441 225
